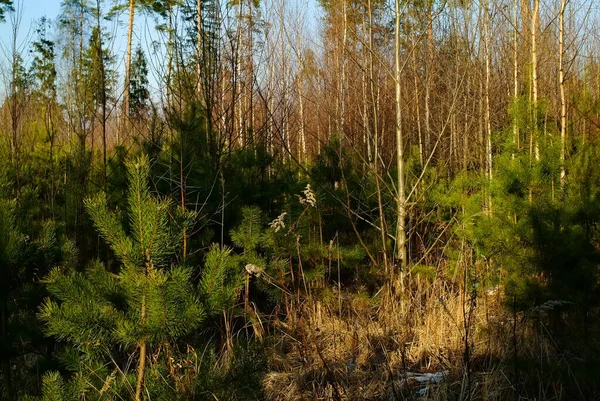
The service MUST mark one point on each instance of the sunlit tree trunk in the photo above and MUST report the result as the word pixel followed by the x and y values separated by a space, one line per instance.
pixel 16 100
pixel 563 103
pixel 128 58
pixel 270 100
pixel 401 254
pixel 285 71
pixel 377 142
pixel 100 55
pixel 534 77
pixel 417 100
pixel 488 124
pixel 429 74
pixel 303 154
pixel 515 76
pixel 365 104
pixel 300 87
pixel 342 65
pixel 237 84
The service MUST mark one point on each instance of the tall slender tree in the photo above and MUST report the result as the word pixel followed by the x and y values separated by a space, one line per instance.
pixel 98 77
pixel 563 100
pixel 157 6
pixel 43 70
pixel 128 58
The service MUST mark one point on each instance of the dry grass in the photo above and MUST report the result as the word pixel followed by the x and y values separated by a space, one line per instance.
pixel 370 350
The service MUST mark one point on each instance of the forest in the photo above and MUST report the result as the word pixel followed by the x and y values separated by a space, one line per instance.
pixel 300 200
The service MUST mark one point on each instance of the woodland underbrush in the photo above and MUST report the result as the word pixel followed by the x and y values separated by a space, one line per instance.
pixel 440 343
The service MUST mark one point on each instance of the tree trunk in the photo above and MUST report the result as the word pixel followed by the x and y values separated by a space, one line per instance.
pixel 6 371
pixel 428 72
pixel 270 103
pixel 488 124
pixel 102 97
pixel 534 77
pixel 51 137
pixel 300 84
pixel 170 102
pixel 249 129
pixel 142 357
pixel 416 99
pixel 365 108
pixel 401 199
pixel 128 58
pixel 563 103
pixel 199 46
pixel 303 155
pixel 376 140
pixel 515 77
pixel 237 85
pixel 342 56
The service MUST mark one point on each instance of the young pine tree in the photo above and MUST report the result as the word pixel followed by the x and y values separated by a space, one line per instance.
pixel 148 303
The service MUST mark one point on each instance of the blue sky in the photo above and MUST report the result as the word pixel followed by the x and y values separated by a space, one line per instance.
pixel 32 10
pixel 145 34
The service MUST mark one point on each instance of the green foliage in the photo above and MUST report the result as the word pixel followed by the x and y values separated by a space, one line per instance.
pixel 138 84
pixel 85 314
pixel 249 234
pixel 53 388
pixel 154 236
pixel 150 299
pixel 123 280
pixel 5 5
pixel 98 76
pixel 43 66
pixel 537 242
pixel 221 280
pixel 242 377
pixel 28 249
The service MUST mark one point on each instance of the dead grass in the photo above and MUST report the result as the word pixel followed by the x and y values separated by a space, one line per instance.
pixel 368 348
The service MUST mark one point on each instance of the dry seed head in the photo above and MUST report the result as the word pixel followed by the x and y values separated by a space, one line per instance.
pixel 278 223
pixel 252 269
pixel 309 199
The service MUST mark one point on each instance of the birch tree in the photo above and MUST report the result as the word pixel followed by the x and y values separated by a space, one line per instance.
pixel 401 254
pixel 563 102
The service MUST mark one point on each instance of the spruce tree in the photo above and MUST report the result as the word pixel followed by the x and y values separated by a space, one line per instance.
pixel 138 84
pixel 96 73
pixel 43 65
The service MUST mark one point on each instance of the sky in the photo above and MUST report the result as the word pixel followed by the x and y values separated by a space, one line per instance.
pixel 31 11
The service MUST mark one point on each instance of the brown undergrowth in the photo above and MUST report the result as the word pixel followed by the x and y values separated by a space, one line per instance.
pixel 446 344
